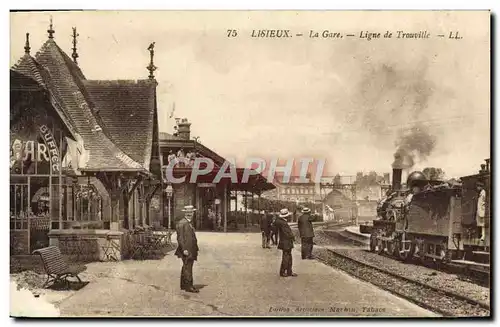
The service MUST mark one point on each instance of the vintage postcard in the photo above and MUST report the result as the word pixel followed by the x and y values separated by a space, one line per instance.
pixel 250 164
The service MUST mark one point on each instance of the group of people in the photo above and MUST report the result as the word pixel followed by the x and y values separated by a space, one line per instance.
pixel 269 230
pixel 187 249
pixel 279 232
pixel 214 219
pixel 183 160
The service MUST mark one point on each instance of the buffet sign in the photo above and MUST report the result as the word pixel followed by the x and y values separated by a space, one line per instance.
pixel 36 151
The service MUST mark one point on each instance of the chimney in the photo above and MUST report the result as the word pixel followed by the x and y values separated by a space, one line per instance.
pixel 184 129
pixel 396 178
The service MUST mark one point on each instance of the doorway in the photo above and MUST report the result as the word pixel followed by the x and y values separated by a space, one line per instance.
pixel 207 214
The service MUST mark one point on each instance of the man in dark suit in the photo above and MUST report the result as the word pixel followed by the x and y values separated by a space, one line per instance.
pixel 274 230
pixel 265 229
pixel 187 248
pixel 306 233
pixel 285 243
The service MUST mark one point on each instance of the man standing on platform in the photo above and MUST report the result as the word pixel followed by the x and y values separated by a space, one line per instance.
pixel 285 244
pixel 306 233
pixel 274 230
pixel 187 248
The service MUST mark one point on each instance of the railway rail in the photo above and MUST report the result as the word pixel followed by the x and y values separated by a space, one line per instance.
pixel 444 302
pixel 479 277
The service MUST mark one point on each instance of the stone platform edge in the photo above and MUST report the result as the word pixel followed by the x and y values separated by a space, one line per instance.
pixel 354 230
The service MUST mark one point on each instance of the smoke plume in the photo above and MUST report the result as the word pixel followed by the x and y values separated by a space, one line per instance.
pixel 413 145
pixel 395 97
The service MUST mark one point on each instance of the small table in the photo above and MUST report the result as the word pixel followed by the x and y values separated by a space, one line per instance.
pixel 154 242
pixel 109 248
pixel 137 245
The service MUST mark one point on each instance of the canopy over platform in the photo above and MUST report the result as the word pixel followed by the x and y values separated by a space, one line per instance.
pixel 256 182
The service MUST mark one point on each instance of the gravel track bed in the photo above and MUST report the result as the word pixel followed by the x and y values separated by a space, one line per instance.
pixel 323 238
pixel 445 281
pixel 426 297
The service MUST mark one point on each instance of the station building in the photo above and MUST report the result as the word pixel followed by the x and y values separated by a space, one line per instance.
pixel 205 192
pixel 86 158
pixel 84 153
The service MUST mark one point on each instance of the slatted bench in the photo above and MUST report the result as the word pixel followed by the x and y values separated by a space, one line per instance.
pixel 56 267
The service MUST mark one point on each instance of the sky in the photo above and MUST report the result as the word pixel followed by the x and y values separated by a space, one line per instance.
pixel 347 101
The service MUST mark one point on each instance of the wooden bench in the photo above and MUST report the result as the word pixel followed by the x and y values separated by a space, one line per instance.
pixel 56 268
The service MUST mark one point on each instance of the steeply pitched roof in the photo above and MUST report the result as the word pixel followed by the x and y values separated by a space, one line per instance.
pixel 28 67
pixel 20 82
pixel 127 111
pixel 65 82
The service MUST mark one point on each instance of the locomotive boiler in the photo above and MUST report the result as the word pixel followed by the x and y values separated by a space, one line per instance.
pixel 435 220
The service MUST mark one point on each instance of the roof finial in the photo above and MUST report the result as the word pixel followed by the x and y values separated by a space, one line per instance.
pixel 51 30
pixel 74 55
pixel 151 66
pixel 27 45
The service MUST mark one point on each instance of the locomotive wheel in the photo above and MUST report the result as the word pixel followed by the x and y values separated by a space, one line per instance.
pixel 380 246
pixel 373 242
pixel 395 248
pixel 421 253
pixel 445 255
pixel 392 248
pixel 408 254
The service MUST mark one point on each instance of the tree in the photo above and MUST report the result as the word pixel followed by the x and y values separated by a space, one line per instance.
pixel 363 181
pixel 433 173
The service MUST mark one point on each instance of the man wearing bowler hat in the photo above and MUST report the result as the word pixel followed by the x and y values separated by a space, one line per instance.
pixel 187 248
pixel 285 244
pixel 306 233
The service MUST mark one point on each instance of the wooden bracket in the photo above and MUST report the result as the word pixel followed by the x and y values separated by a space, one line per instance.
pixel 151 191
pixel 134 186
pixel 142 197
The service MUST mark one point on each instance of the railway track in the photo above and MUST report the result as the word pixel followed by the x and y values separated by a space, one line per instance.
pixel 446 303
pixel 476 276
pixel 479 277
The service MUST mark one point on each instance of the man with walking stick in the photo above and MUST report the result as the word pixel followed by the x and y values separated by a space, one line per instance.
pixel 187 249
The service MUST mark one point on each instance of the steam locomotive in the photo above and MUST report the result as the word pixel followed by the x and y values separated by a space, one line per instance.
pixel 435 220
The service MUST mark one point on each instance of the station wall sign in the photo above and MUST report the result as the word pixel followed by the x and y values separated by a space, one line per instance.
pixel 46 151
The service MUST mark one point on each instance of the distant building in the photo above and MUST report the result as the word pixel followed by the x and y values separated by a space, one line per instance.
pixel 343 206
pixel 347 200
pixel 294 190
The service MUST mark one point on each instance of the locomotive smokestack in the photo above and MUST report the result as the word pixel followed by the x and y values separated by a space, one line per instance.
pixel 396 178
pixel 397 170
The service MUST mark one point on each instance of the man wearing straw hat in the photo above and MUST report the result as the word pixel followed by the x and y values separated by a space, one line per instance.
pixel 306 233
pixel 285 244
pixel 187 248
